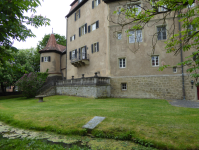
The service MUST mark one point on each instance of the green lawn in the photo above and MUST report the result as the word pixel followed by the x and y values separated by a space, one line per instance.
pixel 142 120
pixel 27 144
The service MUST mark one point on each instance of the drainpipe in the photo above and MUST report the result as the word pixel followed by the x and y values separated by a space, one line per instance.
pixel 66 44
pixel 183 88
pixel 60 67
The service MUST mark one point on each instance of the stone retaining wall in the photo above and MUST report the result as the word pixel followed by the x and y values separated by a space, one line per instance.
pixel 84 91
pixel 158 87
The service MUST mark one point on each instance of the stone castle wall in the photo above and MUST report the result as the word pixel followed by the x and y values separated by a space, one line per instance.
pixel 84 91
pixel 156 87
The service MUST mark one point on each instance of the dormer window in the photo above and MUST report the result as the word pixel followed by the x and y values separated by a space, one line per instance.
pixel 95 3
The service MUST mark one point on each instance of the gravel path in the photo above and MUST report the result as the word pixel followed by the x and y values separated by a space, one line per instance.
pixel 185 103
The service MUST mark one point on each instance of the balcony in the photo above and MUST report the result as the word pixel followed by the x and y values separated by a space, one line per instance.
pixel 80 60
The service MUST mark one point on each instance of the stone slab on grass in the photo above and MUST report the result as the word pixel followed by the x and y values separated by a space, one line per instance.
pixel 93 122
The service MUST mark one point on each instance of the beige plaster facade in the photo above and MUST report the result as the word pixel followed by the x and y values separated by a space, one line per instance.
pixel 138 71
pixel 53 59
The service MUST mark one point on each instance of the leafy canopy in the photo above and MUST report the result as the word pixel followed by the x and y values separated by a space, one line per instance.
pixel 13 23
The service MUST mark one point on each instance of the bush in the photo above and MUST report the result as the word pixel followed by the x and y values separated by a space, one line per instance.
pixel 30 83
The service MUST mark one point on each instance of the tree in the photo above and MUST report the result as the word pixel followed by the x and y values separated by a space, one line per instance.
pixel 13 23
pixel 23 61
pixel 59 39
pixel 13 26
pixel 184 11
pixel 30 83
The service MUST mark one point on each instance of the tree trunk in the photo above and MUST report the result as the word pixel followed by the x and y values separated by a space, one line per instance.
pixel 3 89
pixel 13 89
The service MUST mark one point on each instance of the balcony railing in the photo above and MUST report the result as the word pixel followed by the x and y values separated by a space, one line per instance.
pixel 79 61
pixel 96 80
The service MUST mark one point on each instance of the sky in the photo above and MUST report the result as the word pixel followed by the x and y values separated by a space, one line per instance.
pixel 55 10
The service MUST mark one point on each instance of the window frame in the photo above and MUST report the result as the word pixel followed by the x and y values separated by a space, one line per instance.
pixel 155 61
pixel 135 36
pixel 95 26
pixel 118 9
pixel 45 58
pixel 158 26
pixel 77 15
pixel 94 48
pixel 175 69
pixel 124 86
pixel 119 36
pixel 135 4
pixel 123 62
pixel 190 27
pixel 73 38
pixel 83 30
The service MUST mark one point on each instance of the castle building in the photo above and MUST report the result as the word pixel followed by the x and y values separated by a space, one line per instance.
pixel 53 58
pixel 98 45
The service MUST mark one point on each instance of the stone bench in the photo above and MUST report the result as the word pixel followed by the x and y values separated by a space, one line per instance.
pixel 40 97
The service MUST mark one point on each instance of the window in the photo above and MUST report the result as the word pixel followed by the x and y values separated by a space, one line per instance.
pixel 77 15
pixel 119 10
pixel 155 61
pixel 95 3
pixel 122 62
pixel 135 36
pixel 132 6
pixel 191 29
pixel 83 30
pixel 119 35
pixel 73 54
pixel 174 69
pixel 82 53
pixel 93 27
pixel 95 47
pixel 45 59
pixel 162 8
pixel 162 33
pixel 124 86
pixel 72 38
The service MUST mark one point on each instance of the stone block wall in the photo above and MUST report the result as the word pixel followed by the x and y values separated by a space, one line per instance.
pixel 84 91
pixel 49 91
pixel 157 87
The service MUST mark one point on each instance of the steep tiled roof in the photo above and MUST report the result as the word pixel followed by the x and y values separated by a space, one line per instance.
pixel 73 5
pixel 53 46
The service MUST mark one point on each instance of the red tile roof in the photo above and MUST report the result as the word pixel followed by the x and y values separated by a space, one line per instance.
pixel 73 6
pixel 52 45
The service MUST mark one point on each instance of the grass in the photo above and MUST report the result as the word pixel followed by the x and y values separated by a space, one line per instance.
pixel 27 144
pixel 145 121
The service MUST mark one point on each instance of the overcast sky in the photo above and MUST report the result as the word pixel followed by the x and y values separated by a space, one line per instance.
pixel 55 10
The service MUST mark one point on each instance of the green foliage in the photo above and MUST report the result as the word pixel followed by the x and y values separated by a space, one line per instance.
pixel 179 10
pixel 59 39
pixel 23 61
pixel 30 83
pixel 13 23
pixel 28 59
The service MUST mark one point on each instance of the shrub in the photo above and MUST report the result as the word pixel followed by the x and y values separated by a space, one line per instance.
pixel 30 83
